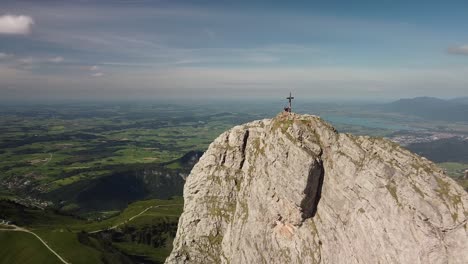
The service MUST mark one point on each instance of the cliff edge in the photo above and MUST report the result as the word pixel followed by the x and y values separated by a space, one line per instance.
pixel 293 190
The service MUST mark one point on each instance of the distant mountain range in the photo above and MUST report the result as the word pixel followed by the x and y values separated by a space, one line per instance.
pixel 432 108
pixel 463 100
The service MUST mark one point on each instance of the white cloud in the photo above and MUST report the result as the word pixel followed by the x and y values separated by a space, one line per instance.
pixel 460 50
pixel 27 63
pixel 56 59
pixel 11 24
pixel 97 74
pixel 96 71
pixel 28 60
pixel 5 55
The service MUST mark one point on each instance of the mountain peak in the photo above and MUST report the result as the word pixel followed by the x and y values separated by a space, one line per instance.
pixel 293 190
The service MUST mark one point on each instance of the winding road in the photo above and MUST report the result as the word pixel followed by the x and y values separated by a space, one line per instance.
pixel 15 228
pixel 49 159
pixel 131 218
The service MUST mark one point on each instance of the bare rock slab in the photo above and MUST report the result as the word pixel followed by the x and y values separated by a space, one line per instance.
pixel 293 190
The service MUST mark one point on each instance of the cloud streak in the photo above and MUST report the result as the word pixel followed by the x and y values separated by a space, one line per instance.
pixel 16 25
pixel 97 74
pixel 316 82
pixel 5 56
pixel 57 59
pixel 459 50
pixel 96 71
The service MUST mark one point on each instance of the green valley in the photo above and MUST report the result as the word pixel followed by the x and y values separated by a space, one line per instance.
pixel 144 231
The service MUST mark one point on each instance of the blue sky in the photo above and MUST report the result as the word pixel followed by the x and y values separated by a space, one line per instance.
pixel 169 49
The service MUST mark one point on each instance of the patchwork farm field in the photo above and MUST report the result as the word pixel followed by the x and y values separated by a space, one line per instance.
pixel 50 155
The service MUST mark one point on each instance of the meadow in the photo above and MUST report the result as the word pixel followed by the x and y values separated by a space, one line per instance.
pixel 83 241
pixel 24 248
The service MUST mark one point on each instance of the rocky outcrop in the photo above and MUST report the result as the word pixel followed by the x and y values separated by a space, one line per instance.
pixel 293 190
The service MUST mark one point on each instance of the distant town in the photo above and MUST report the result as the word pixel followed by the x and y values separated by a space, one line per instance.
pixel 424 137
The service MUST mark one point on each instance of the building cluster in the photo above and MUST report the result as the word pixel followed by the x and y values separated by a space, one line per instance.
pixel 16 183
pixel 34 202
pixel 424 137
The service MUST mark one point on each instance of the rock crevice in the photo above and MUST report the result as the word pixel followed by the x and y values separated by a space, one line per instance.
pixel 313 191
pixel 244 145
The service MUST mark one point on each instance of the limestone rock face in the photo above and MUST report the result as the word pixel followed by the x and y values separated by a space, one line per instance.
pixel 293 190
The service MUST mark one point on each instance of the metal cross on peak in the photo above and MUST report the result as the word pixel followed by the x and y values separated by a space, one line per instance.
pixel 289 108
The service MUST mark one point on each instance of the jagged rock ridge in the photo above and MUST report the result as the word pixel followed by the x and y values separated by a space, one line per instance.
pixel 293 190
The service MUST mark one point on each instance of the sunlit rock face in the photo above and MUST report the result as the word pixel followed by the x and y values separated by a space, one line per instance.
pixel 293 190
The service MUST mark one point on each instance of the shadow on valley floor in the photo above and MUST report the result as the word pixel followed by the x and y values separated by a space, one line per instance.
pixel 126 185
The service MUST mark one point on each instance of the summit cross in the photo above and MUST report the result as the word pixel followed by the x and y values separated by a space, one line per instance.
pixel 289 108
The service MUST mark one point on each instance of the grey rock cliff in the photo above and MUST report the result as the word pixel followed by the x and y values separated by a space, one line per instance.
pixel 293 190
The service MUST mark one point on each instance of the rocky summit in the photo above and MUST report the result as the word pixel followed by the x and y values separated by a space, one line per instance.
pixel 293 190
